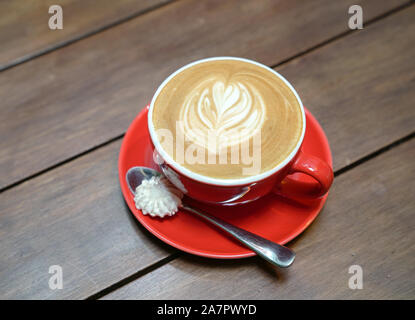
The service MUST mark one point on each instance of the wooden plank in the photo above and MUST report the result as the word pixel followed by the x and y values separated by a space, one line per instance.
pixel 74 217
pixel 368 221
pixel 34 214
pixel 364 83
pixel 24 30
pixel 83 95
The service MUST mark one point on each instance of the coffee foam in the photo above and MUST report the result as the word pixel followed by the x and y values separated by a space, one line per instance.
pixel 235 101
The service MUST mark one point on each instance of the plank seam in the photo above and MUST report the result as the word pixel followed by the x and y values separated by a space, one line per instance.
pixel 134 276
pixel 83 36
pixel 344 34
pixel 61 163
pixel 374 154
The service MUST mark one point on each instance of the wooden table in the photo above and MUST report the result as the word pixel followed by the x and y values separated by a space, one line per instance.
pixel 68 96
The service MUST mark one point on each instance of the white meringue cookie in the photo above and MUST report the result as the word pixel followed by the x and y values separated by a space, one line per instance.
pixel 157 197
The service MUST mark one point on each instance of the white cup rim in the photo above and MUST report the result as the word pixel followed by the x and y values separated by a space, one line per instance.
pixel 215 181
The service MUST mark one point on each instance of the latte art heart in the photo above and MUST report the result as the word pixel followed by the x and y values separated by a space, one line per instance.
pixel 230 113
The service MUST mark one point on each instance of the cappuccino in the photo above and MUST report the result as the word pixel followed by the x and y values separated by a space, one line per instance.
pixel 227 118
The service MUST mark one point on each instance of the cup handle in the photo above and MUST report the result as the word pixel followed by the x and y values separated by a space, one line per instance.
pixel 312 166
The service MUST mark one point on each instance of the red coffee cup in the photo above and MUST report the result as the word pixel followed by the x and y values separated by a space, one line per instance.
pixel 246 189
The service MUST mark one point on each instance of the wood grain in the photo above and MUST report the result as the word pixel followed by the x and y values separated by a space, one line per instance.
pixel 74 217
pixel 361 87
pixel 24 30
pixel 78 97
pixel 368 221
pixel 83 224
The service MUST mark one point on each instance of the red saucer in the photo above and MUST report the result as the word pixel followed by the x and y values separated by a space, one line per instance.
pixel 271 217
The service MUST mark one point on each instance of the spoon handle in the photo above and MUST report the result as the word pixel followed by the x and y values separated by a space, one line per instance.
pixel 274 253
